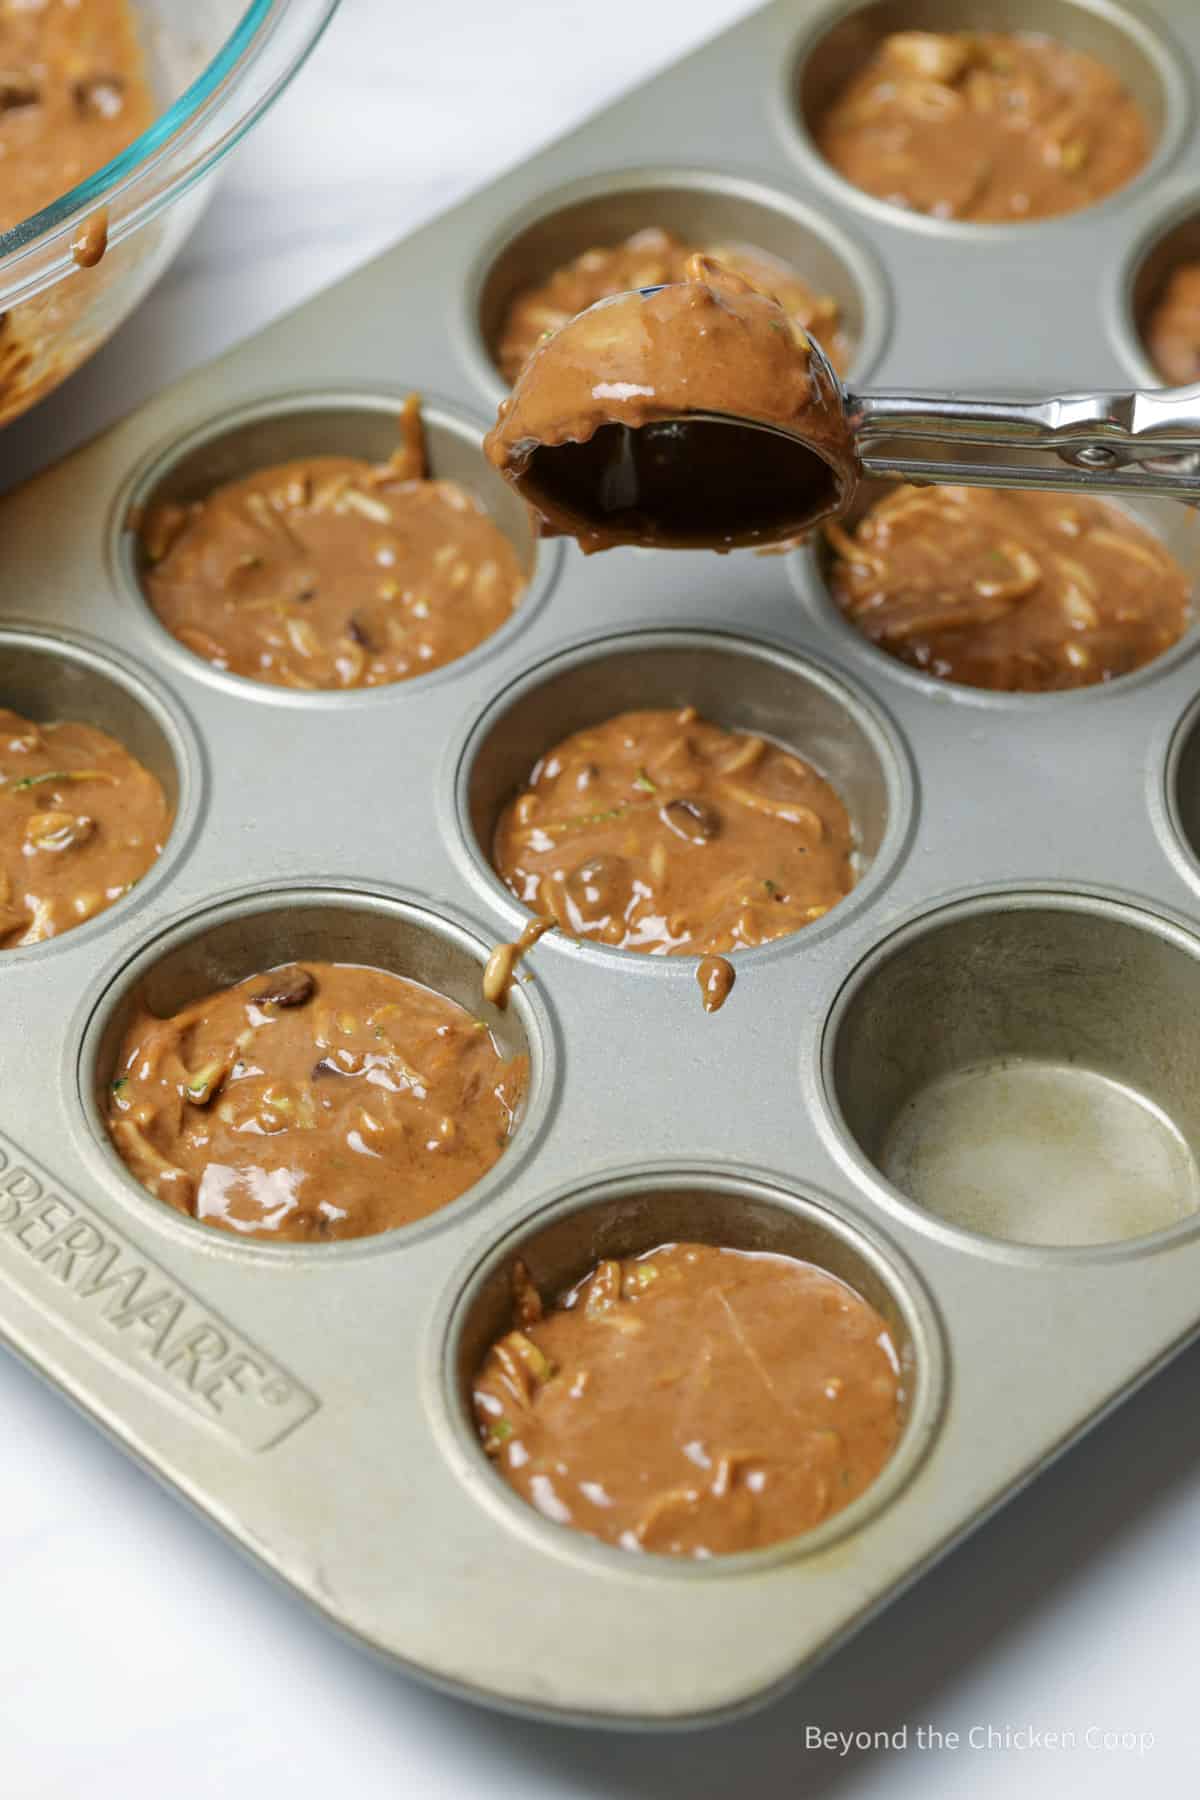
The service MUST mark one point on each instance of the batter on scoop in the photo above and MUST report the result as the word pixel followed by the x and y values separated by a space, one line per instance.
pixel 692 1401
pixel 314 1102
pixel 621 426
pixel 80 822
pixel 658 831
pixel 331 572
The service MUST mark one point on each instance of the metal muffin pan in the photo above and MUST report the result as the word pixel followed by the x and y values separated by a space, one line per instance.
pixel 1028 908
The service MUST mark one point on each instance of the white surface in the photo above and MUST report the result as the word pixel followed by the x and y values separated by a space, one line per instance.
pixel 138 1656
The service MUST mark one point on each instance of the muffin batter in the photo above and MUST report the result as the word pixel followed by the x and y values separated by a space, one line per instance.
pixel 692 1401
pixel 657 831
pixel 73 95
pixel 716 976
pixel 80 821
pixel 501 967
pixel 1023 592
pixel 987 126
pixel 332 573
pixel 648 259
pixel 596 434
pixel 1173 328
pixel 318 1101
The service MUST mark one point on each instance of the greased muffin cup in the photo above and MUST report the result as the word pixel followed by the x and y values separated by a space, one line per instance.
pixel 1004 999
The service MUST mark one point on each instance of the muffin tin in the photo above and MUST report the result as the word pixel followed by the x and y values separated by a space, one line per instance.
pixel 1016 972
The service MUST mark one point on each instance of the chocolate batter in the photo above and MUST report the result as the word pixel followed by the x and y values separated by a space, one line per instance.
pixel 716 976
pixel 659 832
pixel 73 94
pixel 1024 592
pixel 692 1401
pixel 649 259
pixel 315 1102
pixel 1173 328
pixel 91 242
pixel 597 434
pixel 332 573
pixel 80 821
pixel 501 969
pixel 987 126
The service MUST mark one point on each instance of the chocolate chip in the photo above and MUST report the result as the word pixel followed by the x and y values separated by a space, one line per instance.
pixel 602 881
pixel 693 820
pixel 359 634
pixel 291 986
pixel 99 96
pixel 17 89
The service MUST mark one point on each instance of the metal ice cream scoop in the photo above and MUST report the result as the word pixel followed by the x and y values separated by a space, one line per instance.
pixel 684 430
pixel 1119 443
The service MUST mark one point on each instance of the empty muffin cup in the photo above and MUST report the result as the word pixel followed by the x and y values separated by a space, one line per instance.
pixel 630 1214
pixel 1020 1066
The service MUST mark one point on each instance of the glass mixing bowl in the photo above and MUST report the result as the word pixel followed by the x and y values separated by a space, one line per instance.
pixel 214 67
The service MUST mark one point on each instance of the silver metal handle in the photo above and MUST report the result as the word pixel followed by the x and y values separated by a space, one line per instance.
pixel 1134 443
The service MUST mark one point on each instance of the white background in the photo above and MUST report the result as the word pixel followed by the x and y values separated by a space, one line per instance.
pixel 138 1655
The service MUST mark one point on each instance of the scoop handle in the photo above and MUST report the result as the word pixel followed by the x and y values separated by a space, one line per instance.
pixel 1131 443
